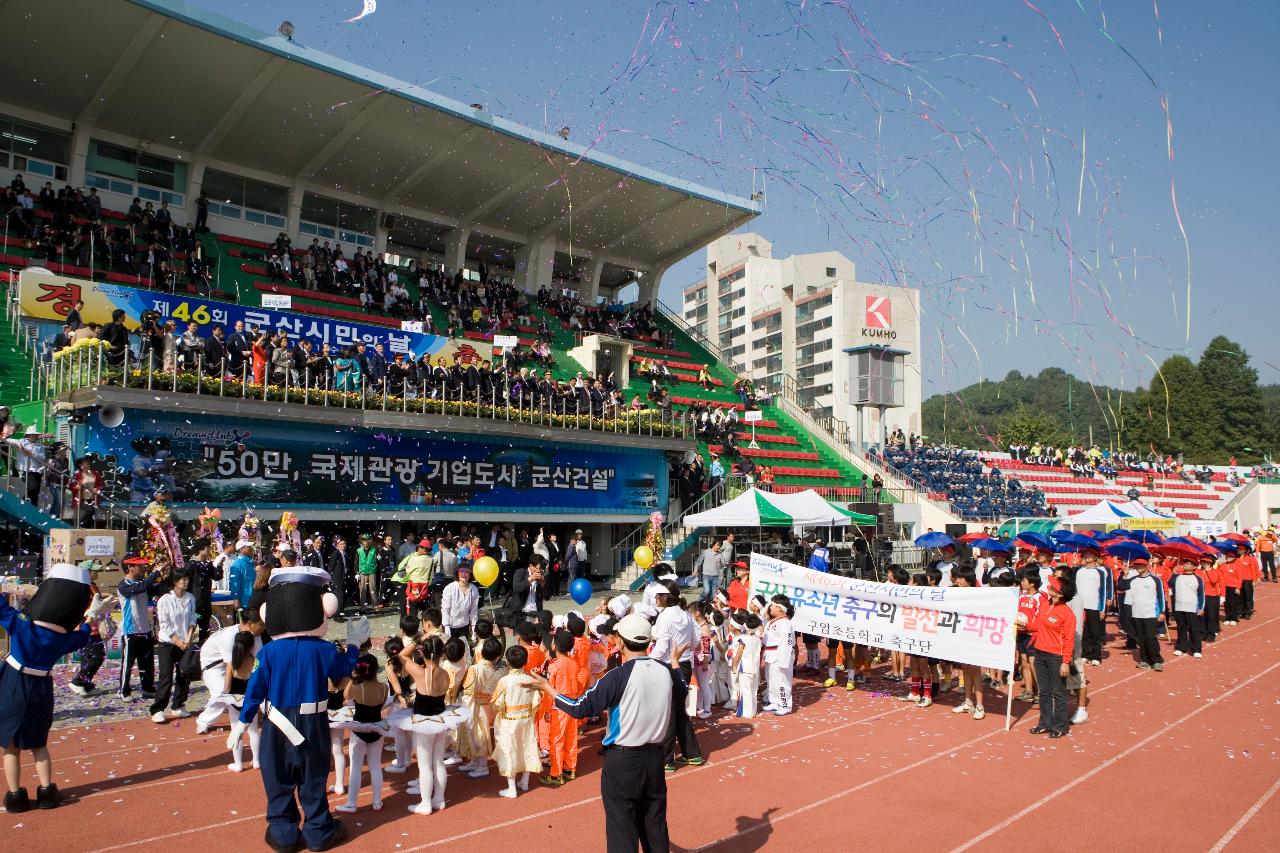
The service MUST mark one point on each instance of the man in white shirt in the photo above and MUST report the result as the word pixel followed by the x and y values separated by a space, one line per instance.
pixel 176 617
pixel 460 605
pixel 779 655
pixel 30 458
pixel 675 636
pixel 215 657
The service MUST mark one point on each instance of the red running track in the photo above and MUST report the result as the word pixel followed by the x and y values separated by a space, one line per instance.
pixel 1180 760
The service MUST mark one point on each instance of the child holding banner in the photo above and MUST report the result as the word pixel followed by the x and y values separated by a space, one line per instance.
pixel 921 667
pixel 965 577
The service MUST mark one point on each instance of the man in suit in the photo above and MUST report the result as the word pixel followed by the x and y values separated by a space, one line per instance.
pixel 527 588
pixel 215 352
pixel 339 569
pixel 238 349
pixel 73 316
pixel 376 361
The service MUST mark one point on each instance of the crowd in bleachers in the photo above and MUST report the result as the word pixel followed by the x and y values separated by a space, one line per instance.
pixel 1086 462
pixel 146 242
pixel 958 473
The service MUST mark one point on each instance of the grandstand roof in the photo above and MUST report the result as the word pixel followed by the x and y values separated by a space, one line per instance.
pixel 166 71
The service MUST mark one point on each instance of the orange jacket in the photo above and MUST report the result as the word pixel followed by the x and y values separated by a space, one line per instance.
pixel 1055 630
pixel 1213 583
pixel 1231 574
pixel 568 679
pixel 1250 568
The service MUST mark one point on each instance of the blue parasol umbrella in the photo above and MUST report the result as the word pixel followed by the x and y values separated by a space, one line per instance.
pixel 1226 547
pixel 934 539
pixel 1035 540
pixel 1146 537
pixel 1194 544
pixel 990 545
pixel 1076 542
pixel 1127 550
pixel 1059 534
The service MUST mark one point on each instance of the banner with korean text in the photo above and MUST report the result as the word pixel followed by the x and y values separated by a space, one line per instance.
pixel 973 626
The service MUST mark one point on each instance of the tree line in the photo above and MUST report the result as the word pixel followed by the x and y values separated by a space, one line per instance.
pixel 1208 411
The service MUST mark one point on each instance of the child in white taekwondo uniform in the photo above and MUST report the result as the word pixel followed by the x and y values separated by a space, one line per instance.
pixel 779 654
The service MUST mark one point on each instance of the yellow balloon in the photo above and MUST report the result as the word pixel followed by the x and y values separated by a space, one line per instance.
pixel 643 556
pixel 485 571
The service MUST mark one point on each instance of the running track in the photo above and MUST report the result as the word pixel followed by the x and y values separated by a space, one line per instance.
pixel 1180 760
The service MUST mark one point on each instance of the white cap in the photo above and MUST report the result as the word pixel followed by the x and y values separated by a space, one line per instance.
pixel 560 621
pixel 635 628
pixel 243 543
pixel 66 571
pixel 619 605
pixel 306 541
pixel 33 430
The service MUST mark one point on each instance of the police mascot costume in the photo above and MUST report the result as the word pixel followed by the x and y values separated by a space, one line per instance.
pixel 52 625
pixel 290 686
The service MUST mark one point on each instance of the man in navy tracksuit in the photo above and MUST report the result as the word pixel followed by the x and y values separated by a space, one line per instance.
pixel 1095 589
pixel 291 687
pixel 138 643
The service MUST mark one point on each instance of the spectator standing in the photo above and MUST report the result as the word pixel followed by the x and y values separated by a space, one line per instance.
pixel 176 619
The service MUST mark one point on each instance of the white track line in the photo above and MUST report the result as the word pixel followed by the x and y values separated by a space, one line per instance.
pixel 1110 761
pixel 773 821
pixel 1245 818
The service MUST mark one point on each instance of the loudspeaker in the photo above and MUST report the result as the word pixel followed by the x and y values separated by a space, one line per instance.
pixel 882 512
pixel 388 221
pixel 111 416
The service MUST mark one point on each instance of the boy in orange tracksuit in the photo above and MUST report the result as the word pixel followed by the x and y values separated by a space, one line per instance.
pixel 1250 572
pixel 1231 579
pixel 568 680
pixel 1213 590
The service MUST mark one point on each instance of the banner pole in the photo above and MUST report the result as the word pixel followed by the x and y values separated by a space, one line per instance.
pixel 1008 708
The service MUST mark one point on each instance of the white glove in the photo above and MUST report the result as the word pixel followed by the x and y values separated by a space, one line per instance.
pixel 237 731
pixel 358 632
pixel 97 608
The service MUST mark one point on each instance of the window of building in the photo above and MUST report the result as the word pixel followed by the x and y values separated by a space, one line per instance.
pixel 34 150
pixel 805 312
pixel 130 171
pixel 330 219
pixel 767 324
pixel 806 331
pixel 235 197
pixel 734 352
pixel 831 272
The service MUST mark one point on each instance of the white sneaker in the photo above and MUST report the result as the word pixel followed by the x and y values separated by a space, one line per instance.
pixel 236 768
pixel 925 701
pixel 1197 655
pixel 395 768
pixel 77 689
pixel 1081 716
pixel 452 761
pixel 201 730
pixel 159 717
pixel 1178 654
pixel 179 714
pixel 702 715
pixel 962 709
pixel 979 713
pixel 346 808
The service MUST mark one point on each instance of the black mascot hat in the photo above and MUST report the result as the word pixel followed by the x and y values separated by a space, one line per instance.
pixel 297 602
pixel 62 597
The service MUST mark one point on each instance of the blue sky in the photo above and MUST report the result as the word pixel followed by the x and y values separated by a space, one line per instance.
pixel 937 143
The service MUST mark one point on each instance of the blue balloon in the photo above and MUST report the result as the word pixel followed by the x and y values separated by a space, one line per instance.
pixel 580 590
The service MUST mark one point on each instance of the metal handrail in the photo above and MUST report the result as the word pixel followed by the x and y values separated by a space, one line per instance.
pixel 110 514
pixel 623 548
pixel 676 320
pixel 94 366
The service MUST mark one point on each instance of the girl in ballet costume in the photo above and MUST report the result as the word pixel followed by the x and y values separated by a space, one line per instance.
pixel 429 720
pixel 399 697
pixel 368 695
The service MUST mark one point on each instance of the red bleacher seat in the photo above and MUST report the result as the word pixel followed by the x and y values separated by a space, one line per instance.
pixel 274 287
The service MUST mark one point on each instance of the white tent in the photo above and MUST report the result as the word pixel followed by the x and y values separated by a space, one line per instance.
pixel 1111 512
pixel 754 508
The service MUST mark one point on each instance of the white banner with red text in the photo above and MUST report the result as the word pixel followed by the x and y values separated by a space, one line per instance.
pixel 973 626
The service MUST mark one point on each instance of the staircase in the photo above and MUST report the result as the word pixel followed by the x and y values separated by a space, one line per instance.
pixel 678 541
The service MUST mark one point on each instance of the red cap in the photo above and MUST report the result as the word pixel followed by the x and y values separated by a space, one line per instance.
pixel 1055 583
pixel 425 543
pixel 1139 561
pixel 740 565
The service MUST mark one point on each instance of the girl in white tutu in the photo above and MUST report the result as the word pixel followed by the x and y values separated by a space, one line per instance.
pixel 367 728
pixel 426 720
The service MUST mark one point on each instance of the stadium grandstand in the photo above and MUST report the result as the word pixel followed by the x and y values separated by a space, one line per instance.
pixel 397 269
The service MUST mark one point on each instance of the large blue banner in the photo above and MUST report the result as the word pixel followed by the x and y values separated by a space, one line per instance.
pixel 271 464
pixel 46 296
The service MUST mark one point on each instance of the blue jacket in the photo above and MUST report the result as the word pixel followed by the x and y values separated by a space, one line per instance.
pixel 240 577
pixel 135 601
pixel 36 646
pixel 294 671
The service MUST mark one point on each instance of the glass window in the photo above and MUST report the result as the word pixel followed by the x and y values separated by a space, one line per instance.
pixel 339 214
pixel 225 188
pixel 106 158
pixel 29 140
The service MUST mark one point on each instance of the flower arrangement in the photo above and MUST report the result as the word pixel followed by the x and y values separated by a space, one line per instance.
pixel 653 536
pixel 81 346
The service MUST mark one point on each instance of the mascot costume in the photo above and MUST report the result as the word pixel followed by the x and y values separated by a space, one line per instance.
pixel 290 687
pixel 52 625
